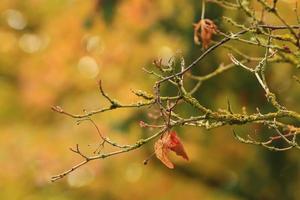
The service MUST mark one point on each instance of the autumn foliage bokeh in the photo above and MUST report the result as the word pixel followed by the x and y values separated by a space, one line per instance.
pixel 54 52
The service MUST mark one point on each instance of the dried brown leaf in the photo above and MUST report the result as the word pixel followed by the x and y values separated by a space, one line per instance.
pixel 203 31
pixel 162 147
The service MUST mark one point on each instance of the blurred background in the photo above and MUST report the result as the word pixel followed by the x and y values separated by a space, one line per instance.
pixel 53 52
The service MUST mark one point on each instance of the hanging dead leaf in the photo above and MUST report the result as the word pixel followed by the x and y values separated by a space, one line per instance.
pixel 176 145
pixel 162 147
pixel 204 30
pixel 161 152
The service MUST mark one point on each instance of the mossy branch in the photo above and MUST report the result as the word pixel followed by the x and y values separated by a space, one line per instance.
pixel 167 117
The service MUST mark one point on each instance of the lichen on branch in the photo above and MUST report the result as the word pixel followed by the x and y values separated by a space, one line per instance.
pixel 278 47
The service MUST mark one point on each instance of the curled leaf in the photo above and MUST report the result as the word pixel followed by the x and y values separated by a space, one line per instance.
pixel 204 30
pixel 176 145
pixel 162 147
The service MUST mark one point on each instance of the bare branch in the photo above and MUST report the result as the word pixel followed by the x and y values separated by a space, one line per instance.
pixel 280 44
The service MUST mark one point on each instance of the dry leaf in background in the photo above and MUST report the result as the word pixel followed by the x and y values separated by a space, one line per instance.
pixel 203 31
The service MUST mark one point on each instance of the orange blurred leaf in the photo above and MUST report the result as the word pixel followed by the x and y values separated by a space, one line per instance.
pixel 204 30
